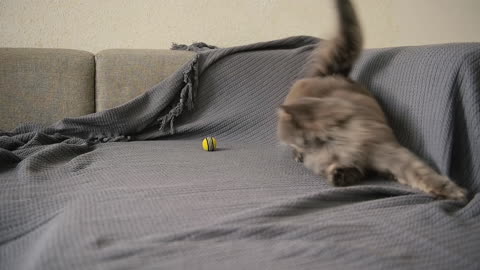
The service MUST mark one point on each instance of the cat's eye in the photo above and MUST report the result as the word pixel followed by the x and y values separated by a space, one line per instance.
pixel 319 141
pixel 313 142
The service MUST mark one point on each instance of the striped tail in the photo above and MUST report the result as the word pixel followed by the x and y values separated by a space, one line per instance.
pixel 337 56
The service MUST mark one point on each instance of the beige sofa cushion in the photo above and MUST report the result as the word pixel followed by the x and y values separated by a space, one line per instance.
pixel 44 85
pixel 123 74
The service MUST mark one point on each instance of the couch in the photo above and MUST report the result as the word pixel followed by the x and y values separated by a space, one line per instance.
pixel 119 180
pixel 46 85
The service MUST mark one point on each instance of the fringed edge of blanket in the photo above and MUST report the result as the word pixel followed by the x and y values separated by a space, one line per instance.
pixel 187 96
pixel 194 47
pixel 186 99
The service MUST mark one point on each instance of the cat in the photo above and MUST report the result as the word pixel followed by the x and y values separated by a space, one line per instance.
pixel 338 129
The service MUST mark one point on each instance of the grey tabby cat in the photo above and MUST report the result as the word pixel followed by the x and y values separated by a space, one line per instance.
pixel 338 129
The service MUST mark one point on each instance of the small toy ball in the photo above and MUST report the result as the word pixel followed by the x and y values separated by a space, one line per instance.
pixel 209 144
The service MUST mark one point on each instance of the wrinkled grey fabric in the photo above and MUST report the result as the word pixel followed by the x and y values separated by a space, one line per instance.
pixel 131 187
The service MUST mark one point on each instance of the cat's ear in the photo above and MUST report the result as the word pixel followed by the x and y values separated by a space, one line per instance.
pixel 285 112
pixel 296 111
pixel 294 114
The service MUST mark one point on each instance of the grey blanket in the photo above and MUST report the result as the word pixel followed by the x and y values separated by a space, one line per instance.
pixel 131 188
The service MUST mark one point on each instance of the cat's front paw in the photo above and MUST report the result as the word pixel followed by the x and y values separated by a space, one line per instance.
pixel 341 177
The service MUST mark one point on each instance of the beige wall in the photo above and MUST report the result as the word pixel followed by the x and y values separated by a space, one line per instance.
pixel 94 25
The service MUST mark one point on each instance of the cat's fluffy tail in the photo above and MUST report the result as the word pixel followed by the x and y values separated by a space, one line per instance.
pixel 337 56
pixel 408 169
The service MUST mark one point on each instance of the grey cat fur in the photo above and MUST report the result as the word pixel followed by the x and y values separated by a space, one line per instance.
pixel 338 129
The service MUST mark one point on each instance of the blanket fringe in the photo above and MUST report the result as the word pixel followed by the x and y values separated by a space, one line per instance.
pixel 104 139
pixel 195 47
pixel 187 95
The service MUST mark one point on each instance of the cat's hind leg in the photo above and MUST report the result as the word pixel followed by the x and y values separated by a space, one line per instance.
pixel 410 170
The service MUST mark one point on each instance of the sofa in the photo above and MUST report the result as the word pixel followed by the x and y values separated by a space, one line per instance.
pixel 46 85
pixel 102 166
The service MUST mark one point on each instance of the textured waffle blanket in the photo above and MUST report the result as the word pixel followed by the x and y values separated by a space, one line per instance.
pixel 131 187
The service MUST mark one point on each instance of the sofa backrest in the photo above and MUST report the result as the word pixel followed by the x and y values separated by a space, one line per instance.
pixel 123 74
pixel 46 85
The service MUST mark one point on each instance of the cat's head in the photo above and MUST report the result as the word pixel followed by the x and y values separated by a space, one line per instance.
pixel 309 123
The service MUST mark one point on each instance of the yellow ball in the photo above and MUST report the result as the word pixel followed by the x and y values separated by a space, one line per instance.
pixel 209 144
